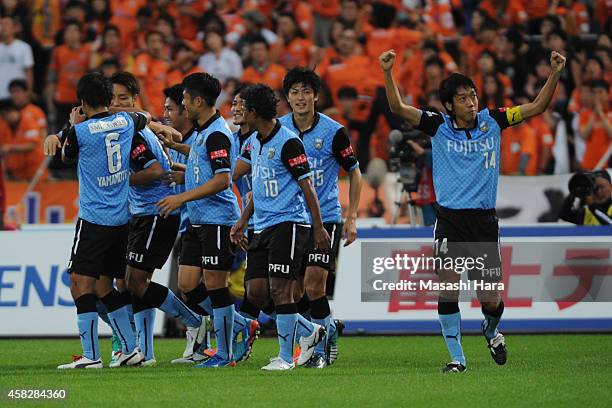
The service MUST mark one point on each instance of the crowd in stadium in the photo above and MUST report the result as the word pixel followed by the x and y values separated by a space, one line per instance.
pixel 47 45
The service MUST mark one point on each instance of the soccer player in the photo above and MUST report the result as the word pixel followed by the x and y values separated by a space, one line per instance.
pixel 465 147
pixel 176 116
pixel 151 237
pixel 328 148
pixel 212 210
pixel 102 144
pixel 281 184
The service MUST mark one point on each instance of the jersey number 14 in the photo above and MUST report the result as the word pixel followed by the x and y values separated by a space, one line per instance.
pixel 489 159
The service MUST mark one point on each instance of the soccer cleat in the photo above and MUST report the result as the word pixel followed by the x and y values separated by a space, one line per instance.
pixel 115 344
pixel 202 334
pixel 243 348
pixel 332 343
pixel 194 358
pixel 454 367
pixel 115 356
pixel 278 364
pixel 191 334
pixel 308 343
pixel 316 361
pixel 81 362
pixel 497 348
pixel 216 362
pixel 149 363
pixel 124 360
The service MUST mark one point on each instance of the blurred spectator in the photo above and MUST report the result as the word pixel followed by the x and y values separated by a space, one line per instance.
pixel 166 25
pixel 596 127
pixel 292 48
pixel 69 62
pixel 519 151
pixel 21 98
pixel 504 12
pixel 99 15
pixel 136 42
pixel 486 66
pixel 16 60
pixel 20 143
pixel 125 15
pixel 186 14
pixel 108 45
pixel 261 69
pixel 254 27
pixel 76 10
pixel 492 95
pixel 220 61
pixel 109 66
pixel 184 63
pixel 151 69
pixel 324 12
pixel 484 38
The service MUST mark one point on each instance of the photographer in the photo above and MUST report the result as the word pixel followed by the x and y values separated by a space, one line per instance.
pixel 594 205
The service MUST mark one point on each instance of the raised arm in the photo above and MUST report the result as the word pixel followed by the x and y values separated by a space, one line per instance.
pixel 410 113
pixel 541 102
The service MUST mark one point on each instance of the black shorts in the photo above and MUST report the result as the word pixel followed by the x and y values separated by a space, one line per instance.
pixel 207 246
pixel 277 251
pixel 321 258
pixel 99 250
pixel 151 240
pixel 470 234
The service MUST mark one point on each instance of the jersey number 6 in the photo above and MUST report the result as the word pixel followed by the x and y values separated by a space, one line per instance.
pixel 113 152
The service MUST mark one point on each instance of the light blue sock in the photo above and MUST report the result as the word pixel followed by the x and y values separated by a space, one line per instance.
pixel 491 323
pixel 304 327
pixel 286 328
pixel 102 312
pixel 177 309
pixel 131 317
pixel 240 323
pixel 224 328
pixel 120 322
pixel 144 320
pixel 451 330
pixel 88 332
pixel 207 305
pixel 321 346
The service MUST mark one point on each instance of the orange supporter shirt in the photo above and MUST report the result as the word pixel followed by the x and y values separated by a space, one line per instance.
pixel 516 141
pixel 46 21
pixel 598 142
pixel 186 24
pixel 380 40
pixel 33 114
pixel 69 66
pixel 272 76
pixel 535 8
pixel 294 54
pixel 124 17
pixel 514 13
pixel 352 72
pixel 439 17
pixel 326 8
pixel 177 76
pixel 153 73
pixel 22 166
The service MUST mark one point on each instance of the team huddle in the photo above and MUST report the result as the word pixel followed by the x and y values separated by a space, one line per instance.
pixel 143 183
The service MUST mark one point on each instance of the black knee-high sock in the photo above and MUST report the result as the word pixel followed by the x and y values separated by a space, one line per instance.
pixel 196 299
pixel 249 309
pixel 304 306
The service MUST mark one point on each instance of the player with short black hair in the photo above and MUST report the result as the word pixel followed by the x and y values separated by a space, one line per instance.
pixel 151 237
pixel 212 209
pixel 281 184
pixel 101 142
pixel 328 148
pixel 465 148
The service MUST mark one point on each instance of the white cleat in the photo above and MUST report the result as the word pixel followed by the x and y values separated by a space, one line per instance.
pixel 81 362
pixel 307 344
pixel 191 334
pixel 278 364
pixel 124 360
pixel 193 358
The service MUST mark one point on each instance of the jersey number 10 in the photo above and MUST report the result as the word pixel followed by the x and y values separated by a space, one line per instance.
pixel 113 152
pixel 489 159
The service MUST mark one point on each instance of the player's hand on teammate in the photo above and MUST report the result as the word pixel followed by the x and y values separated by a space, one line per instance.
pixel 237 234
pixel 349 230
pixel 557 62
pixel 321 238
pixel 165 132
pixel 173 177
pixel 51 144
pixel 168 204
pixel 77 116
pixel 386 60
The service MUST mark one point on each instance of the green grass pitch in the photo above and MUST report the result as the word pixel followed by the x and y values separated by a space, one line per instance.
pixel 546 370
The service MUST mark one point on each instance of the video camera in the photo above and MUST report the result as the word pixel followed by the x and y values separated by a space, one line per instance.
pixel 583 184
pixel 403 159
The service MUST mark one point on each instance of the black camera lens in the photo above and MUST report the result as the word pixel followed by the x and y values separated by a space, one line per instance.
pixel 581 185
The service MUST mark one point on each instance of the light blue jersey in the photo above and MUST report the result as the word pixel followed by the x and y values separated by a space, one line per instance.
pixel 178 157
pixel 466 161
pixel 103 144
pixel 213 151
pixel 244 183
pixel 327 147
pixel 276 165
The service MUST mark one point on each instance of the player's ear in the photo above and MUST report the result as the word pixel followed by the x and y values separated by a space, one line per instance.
pixel 448 106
